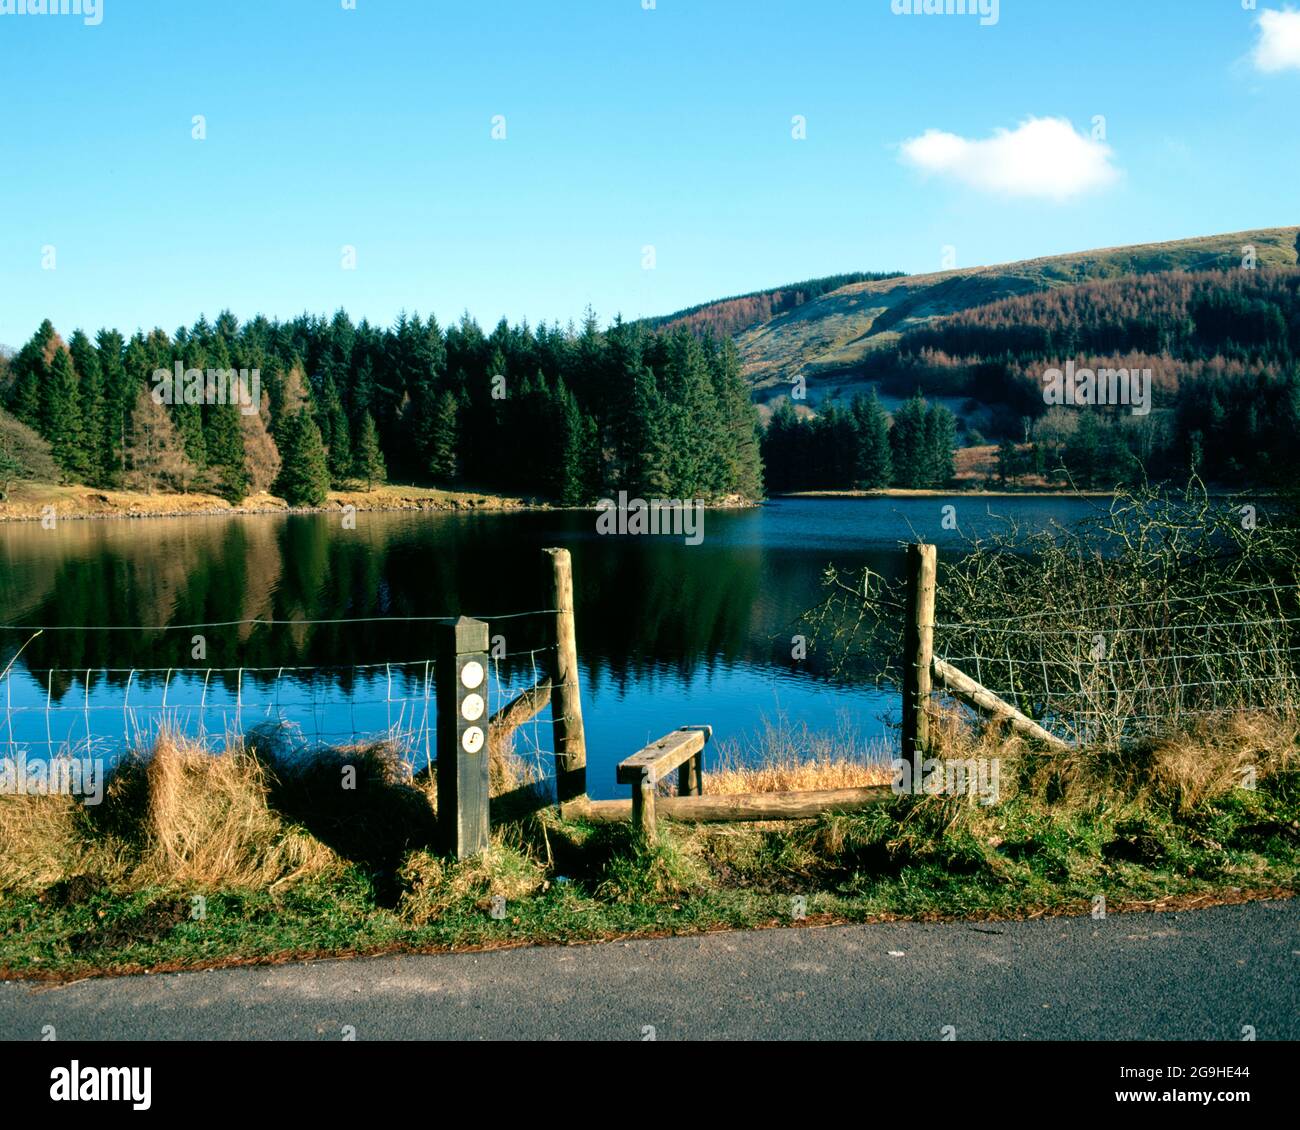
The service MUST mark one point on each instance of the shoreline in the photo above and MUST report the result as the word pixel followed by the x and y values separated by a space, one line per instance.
pixel 931 492
pixel 918 492
pixel 28 502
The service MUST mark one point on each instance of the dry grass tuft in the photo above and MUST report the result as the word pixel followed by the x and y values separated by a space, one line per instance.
pixel 209 823
pixel 1183 770
pixel 45 839
pixel 786 758
pixel 177 815
pixel 1217 755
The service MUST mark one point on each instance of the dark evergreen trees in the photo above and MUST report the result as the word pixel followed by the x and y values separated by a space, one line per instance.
pixel 910 445
pixel 368 462
pixel 567 414
pixel 875 464
pixel 304 475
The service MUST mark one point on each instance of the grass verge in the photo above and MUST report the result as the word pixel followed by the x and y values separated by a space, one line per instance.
pixel 261 855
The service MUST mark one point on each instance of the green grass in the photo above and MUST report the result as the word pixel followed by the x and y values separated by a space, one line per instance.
pixel 909 858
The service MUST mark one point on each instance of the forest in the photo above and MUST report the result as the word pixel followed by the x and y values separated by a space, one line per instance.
pixel 1223 348
pixel 563 414
pixel 860 447
pixel 575 414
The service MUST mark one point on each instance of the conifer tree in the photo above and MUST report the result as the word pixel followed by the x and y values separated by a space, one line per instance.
pixel 340 449
pixel 940 439
pixel 875 469
pixel 368 463
pixel 60 420
pixel 30 370
pixel 442 461
pixel 304 473
pixel 118 399
pixel 93 456
pixel 783 455
pixel 908 446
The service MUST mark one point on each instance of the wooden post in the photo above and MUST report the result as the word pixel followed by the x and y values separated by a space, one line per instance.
pixel 566 708
pixel 918 650
pixel 643 808
pixel 460 678
pixel 690 775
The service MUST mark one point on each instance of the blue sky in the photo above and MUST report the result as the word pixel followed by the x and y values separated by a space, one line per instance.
pixel 625 128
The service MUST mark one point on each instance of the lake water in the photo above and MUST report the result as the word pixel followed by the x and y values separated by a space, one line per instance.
pixel 669 634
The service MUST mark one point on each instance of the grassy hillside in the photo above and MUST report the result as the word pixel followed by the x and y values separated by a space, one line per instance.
pixel 828 339
pixel 726 317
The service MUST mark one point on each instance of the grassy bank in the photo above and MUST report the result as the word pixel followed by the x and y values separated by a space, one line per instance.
pixel 30 501
pixel 258 854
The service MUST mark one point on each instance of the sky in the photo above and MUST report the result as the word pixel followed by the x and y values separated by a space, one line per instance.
pixel 530 158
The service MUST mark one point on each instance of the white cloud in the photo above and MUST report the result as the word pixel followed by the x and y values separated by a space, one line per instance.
pixel 1042 157
pixel 1278 48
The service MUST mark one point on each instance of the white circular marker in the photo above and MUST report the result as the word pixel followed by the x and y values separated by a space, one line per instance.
pixel 472 739
pixel 472 674
pixel 472 708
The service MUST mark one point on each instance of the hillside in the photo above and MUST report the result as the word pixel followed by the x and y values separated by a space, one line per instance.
pixel 828 339
pixel 726 317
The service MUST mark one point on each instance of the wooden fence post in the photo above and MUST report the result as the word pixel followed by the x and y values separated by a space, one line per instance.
pixel 566 698
pixel 460 678
pixel 918 650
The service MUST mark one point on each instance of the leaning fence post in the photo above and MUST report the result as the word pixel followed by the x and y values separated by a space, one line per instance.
pixel 918 651
pixel 461 679
pixel 566 708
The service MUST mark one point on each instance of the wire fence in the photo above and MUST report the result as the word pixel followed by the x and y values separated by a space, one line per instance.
pixel 108 711
pixel 1113 673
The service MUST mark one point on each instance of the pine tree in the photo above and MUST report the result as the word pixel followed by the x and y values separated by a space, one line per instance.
pixel 908 448
pixel 875 469
pixel 90 385
pixel 635 410
pixel 224 443
pixel 118 399
pixel 304 474
pixel 572 464
pixel 442 462
pixel 940 441
pixel 60 419
pixel 30 370
pixel 368 463
pixel 783 454
pixel 740 428
pixel 340 450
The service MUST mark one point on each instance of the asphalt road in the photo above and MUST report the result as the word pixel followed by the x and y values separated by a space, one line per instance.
pixel 1190 975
